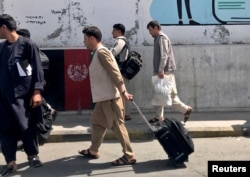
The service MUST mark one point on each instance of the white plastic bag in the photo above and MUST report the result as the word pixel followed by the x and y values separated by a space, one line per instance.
pixel 162 91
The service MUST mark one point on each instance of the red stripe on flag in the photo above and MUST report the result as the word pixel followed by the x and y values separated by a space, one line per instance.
pixel 76 75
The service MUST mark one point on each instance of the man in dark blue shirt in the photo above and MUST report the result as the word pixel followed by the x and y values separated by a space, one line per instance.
pixel 22 76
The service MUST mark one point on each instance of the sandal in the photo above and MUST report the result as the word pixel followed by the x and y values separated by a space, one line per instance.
pixel 154 120
pixel 187 114
pixel 123 161
pixel 86 153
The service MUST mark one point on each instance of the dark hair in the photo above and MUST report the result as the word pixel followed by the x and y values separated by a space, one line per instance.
pixel 93 31
pixel 153 24
pixel 8 21
pixel 23 32
pixel 120 27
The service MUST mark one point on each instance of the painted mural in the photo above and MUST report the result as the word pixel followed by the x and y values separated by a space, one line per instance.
pixel 59 23
pixel 201 12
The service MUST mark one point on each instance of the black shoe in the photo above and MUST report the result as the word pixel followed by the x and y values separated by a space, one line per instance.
pixel 7 170
pixel 35 161
pixel 178 165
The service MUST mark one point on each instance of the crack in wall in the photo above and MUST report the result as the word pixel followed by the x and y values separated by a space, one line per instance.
pixel 66 16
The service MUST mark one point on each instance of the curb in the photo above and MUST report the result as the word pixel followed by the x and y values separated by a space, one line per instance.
pixel 76 127
pixel 147 134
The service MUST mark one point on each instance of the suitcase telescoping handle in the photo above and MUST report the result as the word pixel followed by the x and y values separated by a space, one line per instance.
pixel 144 118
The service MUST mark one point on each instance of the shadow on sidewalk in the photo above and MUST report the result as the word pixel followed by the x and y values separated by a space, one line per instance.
pixel 77 165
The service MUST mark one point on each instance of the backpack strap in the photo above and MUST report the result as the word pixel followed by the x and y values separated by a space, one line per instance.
pixel 126 46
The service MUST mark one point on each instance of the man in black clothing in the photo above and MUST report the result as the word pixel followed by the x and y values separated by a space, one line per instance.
pixel 22 74
pixel 45 122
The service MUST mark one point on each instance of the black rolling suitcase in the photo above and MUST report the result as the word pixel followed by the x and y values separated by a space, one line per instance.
pixel 173 137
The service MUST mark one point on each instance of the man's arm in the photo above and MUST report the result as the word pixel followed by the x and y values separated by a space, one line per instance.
pixel 118 46
pixel 164 48
pixel 37 74
pixel 113 71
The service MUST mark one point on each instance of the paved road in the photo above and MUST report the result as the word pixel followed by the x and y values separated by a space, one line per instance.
pixel 61 159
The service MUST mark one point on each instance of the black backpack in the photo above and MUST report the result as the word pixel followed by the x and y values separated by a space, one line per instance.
pixel 44 60
pixel 132 65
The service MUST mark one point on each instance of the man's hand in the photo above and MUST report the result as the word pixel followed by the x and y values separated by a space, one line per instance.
pixel 161 74
pixel 128 96
pixel 36 99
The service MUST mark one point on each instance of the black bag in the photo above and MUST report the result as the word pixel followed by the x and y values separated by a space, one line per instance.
pixel 174 139
pixel 44 126
pixel 44 60
pixel 132 65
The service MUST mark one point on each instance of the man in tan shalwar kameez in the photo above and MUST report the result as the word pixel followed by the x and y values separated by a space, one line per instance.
pixel 108 91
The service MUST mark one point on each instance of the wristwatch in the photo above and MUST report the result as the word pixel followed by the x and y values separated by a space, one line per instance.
pixel 123 93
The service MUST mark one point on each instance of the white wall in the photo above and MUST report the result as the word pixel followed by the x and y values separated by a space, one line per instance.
pixel 212 59
pixel 209 77
pixel 59 23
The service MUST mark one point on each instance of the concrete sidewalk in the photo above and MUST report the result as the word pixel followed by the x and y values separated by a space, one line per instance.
pixel 73 126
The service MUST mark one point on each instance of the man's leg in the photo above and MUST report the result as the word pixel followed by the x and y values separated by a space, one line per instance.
pixel 30 145
pixel 121 133
pixel 97 136
pixel 159 112
pixel 30 142
pixel 98 133
pixel 176 102
pixel 8 146
pixel 119 128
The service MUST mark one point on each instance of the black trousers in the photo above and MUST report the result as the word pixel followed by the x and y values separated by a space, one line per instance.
pixel 9 144
pixel 29 138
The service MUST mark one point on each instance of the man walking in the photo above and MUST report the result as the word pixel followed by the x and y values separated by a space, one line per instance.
pixel 164 66
pixel 107 87
pixel 22 81
pixel 120 50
